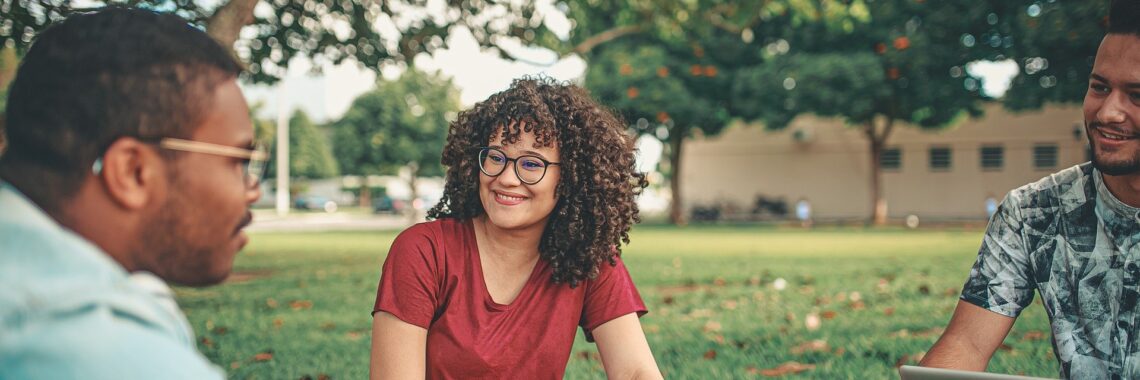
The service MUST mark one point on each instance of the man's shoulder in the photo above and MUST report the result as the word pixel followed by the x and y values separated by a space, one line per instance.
pixel 1059 192
pixel 96 343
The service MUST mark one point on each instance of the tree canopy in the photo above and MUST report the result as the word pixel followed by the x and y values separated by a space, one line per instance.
pixel 268 34
pixel 402 123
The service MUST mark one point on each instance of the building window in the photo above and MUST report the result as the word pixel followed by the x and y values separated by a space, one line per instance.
pixel 940 159
pixel 891 159
pixel 1045 156
pixel 993 157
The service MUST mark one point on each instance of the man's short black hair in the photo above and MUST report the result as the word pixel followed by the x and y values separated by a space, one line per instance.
pixel 1124 17
pixel 99 76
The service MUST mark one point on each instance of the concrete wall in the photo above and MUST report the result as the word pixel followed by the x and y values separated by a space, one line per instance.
pixel 831 166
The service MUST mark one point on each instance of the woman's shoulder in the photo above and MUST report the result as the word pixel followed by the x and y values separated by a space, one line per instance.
pixel 435 229
pixel 432 236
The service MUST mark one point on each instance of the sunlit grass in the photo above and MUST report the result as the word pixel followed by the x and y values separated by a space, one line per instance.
pixel 302 301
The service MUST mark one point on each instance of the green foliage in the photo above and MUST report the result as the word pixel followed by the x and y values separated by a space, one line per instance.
pixel 400 122
pixel 309 153
pixel 1054 50
pixel 306 298
pixel 327 31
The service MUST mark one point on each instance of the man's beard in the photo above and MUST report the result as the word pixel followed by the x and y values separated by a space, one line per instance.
pixel 1117 168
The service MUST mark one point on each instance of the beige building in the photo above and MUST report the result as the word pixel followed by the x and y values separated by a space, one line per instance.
pixel 940 175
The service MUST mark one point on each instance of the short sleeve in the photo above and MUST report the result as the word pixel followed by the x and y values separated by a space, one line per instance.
pixel 408 288
pixel 610 295
pixel 1001 279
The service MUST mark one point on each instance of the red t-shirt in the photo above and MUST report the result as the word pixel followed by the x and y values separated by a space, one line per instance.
pixel 432 278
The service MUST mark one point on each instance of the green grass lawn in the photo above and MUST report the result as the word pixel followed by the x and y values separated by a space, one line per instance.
pixel 299 303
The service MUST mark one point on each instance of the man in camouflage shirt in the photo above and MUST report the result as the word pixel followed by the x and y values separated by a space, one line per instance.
pixel 1074 237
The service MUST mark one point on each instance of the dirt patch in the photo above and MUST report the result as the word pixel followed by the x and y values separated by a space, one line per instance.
pixel 247 276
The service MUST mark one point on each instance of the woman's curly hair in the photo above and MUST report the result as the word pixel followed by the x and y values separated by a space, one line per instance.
pixel 596 203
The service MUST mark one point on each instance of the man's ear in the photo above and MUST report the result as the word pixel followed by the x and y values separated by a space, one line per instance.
pixel 132 173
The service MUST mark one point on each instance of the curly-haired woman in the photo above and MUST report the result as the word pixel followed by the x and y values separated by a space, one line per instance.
pixel 522 249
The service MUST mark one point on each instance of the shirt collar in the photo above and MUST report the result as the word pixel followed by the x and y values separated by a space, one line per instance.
pixel 1110 201
pixel 21 214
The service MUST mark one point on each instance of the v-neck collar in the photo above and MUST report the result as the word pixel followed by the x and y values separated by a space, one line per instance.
pixel 481 280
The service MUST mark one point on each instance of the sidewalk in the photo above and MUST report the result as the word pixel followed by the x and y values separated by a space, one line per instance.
pixel 267 220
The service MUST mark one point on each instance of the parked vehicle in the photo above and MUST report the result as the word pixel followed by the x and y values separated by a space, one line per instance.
pixel 315 202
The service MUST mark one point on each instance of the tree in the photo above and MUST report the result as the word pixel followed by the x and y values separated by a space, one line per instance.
pixel 906 66
pixel 666 65
pixel 310 156
pixel 401 124
pixel 1054 45
pixel 8 64
pixel 267 35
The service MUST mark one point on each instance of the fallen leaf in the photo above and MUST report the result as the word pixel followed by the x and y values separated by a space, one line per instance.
pixel 668 300
pixel 783 369
pixel 588 355
pixel 1033 335
pixel 889 311
pixel 754 281
pixel 729 305
pixel 277 322
pixel 719 282
pixel 855 296
pixel 207 342
pixel 950 292
pixel 910 359
pixel 263 356
pixel 812 346
pixel 353 335
pixel 828 314
pixel 324 377
pixel 652 329
pixel 301 305
pixel 221 330
pixel 718 338
pixel 712 326
pixel 328 326
pixel 271 303
pixel 857 305
pixel 235 365
pixel 710 354
pixel 840 351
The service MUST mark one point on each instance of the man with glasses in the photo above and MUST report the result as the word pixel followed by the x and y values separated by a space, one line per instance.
pixel 130 164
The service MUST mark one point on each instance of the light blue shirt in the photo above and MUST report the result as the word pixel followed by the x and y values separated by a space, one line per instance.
pixel 68 311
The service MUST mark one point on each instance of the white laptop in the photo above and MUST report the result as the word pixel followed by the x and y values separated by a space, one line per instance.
pixel 923 373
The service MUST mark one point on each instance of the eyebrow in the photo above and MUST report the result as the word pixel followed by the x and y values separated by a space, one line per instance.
pixel 1098 78
pixel 525 152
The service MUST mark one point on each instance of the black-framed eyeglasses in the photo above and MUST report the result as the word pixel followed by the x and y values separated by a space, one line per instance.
pixel 530 169
pixel 256 156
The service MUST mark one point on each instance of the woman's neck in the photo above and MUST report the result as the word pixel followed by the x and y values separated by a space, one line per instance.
pixel 516 246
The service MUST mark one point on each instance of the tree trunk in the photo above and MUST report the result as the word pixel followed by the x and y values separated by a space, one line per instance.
pixel 877 141
pixel 413 172
pixel 365 194
pixel 676 140
pixel 226 23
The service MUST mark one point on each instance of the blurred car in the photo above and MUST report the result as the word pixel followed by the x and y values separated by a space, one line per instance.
pixel 387 205
pixel 314 202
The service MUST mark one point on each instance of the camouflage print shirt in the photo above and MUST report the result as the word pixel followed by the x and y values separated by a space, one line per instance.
pixel 1071 240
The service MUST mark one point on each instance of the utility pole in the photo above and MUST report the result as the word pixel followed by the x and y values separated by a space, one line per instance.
pixel 282 152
